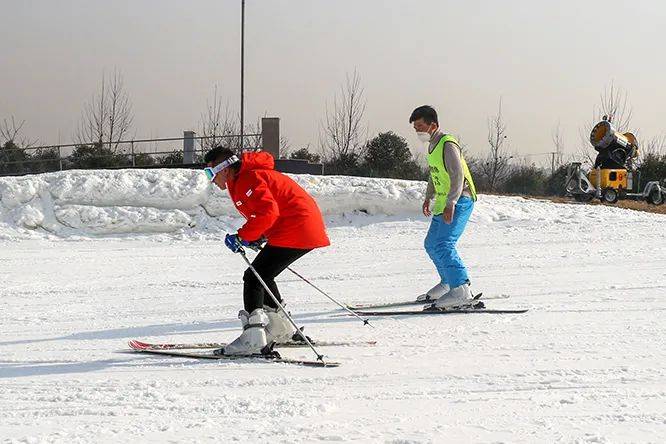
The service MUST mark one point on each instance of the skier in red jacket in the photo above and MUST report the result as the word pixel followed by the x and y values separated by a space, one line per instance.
pixel 277 210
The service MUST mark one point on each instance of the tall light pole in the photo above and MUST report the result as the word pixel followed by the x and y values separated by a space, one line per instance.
pixel 242 97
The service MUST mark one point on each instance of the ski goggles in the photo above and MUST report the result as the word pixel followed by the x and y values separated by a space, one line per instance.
pixel 212 172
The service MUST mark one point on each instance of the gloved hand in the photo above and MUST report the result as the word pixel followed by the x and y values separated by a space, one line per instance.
pixel 257 245
pixel 235 243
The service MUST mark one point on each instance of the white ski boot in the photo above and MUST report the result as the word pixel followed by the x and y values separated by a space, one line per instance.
pixel 434 293
pixel 458 297
pixel 279 329
pixel 253 339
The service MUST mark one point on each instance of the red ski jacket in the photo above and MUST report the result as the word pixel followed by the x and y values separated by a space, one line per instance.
pixel 275 206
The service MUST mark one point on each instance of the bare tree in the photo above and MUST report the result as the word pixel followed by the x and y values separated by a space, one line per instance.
pixel 108 117
pixel 14 158
pixel 253 138
pixel 654 146
pixel 614 103
pixel 217 123
pixel 496 165
pixel 584 153
pixel 253 134
pixel 558 141
pixel 285 147
pixel 10 132
pixel 343 135
pixel 461 144
pixel 613 106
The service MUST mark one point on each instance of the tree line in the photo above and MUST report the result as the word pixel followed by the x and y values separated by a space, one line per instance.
pixel 344 147
pixel 346 150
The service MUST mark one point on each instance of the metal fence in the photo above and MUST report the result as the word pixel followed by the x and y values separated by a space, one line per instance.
pixel 172 152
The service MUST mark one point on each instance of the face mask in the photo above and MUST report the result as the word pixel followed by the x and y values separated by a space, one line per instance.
pixel 423 137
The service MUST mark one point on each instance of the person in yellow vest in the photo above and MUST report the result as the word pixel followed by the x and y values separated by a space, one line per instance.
pixel 451 185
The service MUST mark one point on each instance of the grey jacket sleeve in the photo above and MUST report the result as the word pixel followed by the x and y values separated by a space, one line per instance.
pixel 430 189
pixel 454 168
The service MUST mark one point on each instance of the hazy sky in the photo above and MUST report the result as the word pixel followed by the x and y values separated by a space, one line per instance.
pixel 548 60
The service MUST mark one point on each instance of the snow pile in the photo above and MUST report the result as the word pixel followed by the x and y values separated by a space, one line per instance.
pixel 136 202
pixel 104 202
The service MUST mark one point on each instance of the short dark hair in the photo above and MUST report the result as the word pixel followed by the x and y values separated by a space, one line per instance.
pixel 219 154
pixel 425 112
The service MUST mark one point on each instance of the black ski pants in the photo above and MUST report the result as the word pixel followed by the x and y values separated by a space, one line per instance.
pixel 270 262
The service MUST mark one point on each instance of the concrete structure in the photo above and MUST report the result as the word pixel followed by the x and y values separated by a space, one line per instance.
pixel 270 135
pixel 298 166
pixel 270 141
pixel 188 147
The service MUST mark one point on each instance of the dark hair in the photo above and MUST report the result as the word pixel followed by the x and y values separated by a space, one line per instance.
pixel 219 154
pixel 425 112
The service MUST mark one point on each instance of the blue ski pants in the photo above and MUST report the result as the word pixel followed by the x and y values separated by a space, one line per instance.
pixel 440 243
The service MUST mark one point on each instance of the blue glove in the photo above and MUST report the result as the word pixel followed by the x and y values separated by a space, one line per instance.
pixel 235 243
pixel 257 245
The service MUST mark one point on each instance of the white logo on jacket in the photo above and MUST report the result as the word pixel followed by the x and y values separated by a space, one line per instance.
pixel 249 193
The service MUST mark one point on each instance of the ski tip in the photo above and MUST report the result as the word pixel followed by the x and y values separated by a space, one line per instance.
pixel 137 345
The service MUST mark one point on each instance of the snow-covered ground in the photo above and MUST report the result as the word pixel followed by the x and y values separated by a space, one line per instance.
pixel 89 260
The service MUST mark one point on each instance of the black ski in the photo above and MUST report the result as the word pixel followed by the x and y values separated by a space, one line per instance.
pixel 273 357
pixel 140 345
pixel 362 307
pixel 388 305
pixel 439 312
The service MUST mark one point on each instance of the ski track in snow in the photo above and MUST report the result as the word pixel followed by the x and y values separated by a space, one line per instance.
pixel 585 364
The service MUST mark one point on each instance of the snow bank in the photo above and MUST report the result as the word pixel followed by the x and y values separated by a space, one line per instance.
pixel 111 202
pixel 130 202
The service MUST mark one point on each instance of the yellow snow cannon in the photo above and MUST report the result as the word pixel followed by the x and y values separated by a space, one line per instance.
pixel 610 178
pixel 615 149
pixel 613 176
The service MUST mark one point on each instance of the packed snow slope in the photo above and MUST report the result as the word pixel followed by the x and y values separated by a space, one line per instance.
pixel 89 260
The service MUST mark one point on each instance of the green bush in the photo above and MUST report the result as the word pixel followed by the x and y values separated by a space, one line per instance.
pixel 173 158
pixel 305 154
pixel 143 159
pixel 387 155
pixel 554 183
pixel 44 160
pixel 347 165
pixel 14 160
pixel 96 156
pixel 525 179
pixel 653 167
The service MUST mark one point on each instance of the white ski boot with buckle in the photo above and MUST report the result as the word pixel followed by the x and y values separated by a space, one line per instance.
pixel 279 329
pixel 434 293
pixel 253 339
pixel 457 297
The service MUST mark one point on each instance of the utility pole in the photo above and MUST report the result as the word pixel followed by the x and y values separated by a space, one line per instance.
pixel 242 97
